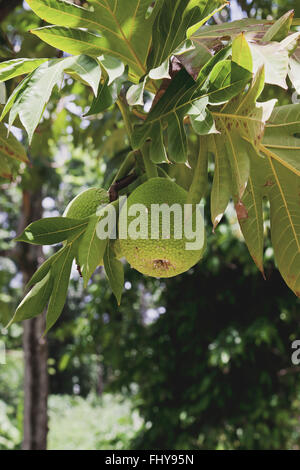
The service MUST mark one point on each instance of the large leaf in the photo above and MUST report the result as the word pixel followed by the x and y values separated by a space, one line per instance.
pixel 276 176
pixel 44 269
pixel 125 30
pixel 274 58
pixel 114 271
pixel 282 137
pixel 172 23
pixel 222 182
pixel 292 45
pixel 281 28
pixel 35 301
pixel 231 30
pixel 51 230
pixel 16 67
pixel 50 283
pixel 241 124
pixel 31 96
pixel 11 152
pixel 60 272
pixel 259 33
pixel 218 81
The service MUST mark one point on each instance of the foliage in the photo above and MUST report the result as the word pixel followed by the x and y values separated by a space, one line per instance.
pixel 92 424
pixel 219 98
pixel 9 434
pixel 11 383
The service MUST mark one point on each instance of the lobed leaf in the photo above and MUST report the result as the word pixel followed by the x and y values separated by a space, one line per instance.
pixel 123 29
pixel 174 22
pixel 31 96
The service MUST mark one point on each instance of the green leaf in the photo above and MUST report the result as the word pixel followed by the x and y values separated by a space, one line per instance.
pixel 239 120
pixel 222 182
pixel 276 176
pixel 60 272
pixel 216 82
pixel 15 67
pixel 3 94
pixel 86 70
pixel 102 101
pixel 135 94
pixel 294 72
pixel 201 118
pixel 43 269
pixel 35 301
pixel 51 230
pixel 280 29
pixel 72 41
pixel 64 12
pixel 250 213
pixel 292 45
pixel 113 67
pixel 125 30
pixel 114 271
pixel 171 107
pixel 173 24
pixel 226 80
pixel 274 58
pixel 91 249
pixel 31 96
pixel 160 72
pixel 281 141
pixel 211 9
pixel 241 123
pixel 199 184
pixel 11 152
pixel 281 186
pixel 231 29
pixel 241 52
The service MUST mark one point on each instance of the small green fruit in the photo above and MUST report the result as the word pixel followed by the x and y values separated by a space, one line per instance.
pixel 86 203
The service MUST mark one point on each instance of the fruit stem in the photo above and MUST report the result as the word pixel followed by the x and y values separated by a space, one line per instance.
pixel 199 183
pixel 150 167
pixel 120 184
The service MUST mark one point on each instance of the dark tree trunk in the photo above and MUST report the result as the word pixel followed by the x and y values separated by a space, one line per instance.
pixel 34 345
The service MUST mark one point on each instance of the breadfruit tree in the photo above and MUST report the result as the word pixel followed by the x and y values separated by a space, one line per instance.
pixel 191 97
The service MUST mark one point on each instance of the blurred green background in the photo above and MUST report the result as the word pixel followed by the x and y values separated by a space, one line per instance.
pixel 201 361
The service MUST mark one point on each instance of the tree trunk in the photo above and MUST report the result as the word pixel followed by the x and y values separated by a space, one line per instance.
pixel 34 345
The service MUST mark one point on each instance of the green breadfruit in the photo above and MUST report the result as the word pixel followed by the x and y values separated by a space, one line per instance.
pixel 162 257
